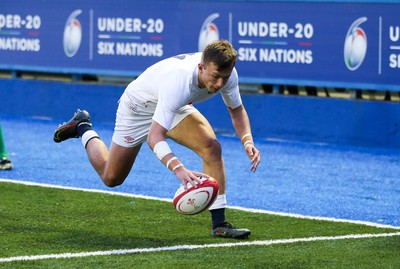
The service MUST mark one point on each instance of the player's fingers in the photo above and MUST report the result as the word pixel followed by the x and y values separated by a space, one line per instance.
pixel 255 160
pixel 249 151
pixel 199 180
pixel 194 180
pixel 253 153
pixel 184 181
pixel 201 177
pixel 256 157
pixel 253 168
pixel 185 187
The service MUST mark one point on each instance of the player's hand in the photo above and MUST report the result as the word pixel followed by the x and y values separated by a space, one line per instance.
pixel 254 155
pixel 187 176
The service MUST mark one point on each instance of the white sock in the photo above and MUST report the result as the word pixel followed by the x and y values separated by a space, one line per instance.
pixel 220 202
pixel 87 136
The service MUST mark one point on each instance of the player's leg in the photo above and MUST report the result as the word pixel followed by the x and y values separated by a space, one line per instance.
pixel 114 165
pixel 195 132
pixel 5 163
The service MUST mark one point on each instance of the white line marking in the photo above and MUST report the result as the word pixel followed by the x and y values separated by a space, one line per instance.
pixel 380 47
pixel 91 34
pixel 191 247
pixel 298 216
pixel 30 183
pixel 230 27
pixel 251 210
pixel 243 41
pixel 105 36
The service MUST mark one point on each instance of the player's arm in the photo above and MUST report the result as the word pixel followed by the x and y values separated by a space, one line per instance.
pixel 157 142
pixel 241 123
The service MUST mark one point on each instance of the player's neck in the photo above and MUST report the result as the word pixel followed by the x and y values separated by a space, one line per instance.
pixel 200 83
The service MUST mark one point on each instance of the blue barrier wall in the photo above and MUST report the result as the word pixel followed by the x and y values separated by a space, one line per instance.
pixel 346 44
pixel 58 100
pixel 325 120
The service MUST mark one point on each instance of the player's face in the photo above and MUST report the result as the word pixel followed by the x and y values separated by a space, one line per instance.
pixel 211 78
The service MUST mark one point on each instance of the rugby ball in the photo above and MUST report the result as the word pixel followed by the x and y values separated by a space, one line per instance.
pixel 196 200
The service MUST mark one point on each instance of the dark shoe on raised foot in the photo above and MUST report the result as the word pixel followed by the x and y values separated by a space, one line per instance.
pixel 69 129
pixel 5 164
pixel 227 230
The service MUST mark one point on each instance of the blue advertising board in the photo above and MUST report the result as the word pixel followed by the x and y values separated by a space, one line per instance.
pixel 340 44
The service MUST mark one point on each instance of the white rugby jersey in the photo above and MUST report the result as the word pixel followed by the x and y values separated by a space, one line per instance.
pixel 173 83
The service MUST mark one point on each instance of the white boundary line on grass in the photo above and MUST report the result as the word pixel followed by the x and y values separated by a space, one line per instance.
pixel 252 210
pixel 298 216
pixel 191 247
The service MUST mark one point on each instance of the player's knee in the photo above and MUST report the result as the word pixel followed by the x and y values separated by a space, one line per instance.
pixel 112 181
pixel 111 184
pixel 212 149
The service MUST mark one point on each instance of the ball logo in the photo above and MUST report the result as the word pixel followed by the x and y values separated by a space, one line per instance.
pixel 208 32
pixel 72 34
pixel 355 45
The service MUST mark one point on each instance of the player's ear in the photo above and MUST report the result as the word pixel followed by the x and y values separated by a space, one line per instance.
pixel 201 66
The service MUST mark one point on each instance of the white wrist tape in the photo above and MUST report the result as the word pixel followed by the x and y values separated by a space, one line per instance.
pixel 170 161
pixel 161 149
pixel 246 135
pixel 176 167
pixel 248 142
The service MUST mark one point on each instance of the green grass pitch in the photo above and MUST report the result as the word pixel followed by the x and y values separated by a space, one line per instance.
pixel 42 227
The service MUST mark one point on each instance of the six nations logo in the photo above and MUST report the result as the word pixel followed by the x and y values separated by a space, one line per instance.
pixel 355 45
pixel 72 34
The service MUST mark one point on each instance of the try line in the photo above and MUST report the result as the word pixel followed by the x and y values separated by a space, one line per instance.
pixel 191 247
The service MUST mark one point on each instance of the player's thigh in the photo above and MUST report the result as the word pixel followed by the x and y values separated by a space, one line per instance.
pixel 120 162
pixel 194 132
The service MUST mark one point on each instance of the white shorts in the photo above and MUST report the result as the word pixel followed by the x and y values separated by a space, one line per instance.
pixel 134 119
